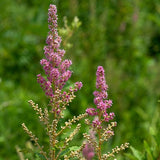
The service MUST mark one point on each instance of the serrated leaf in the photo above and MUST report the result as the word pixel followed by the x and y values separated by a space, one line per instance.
pixel 147 148
pixel 137 153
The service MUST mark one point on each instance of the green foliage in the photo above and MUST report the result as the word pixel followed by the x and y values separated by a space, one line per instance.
pixel 138 155
pixel 123 36
pixel 151 145
pixel 73 148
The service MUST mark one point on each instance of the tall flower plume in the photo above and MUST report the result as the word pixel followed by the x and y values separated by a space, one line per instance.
pixel 56 69
pixel 100 100
pixel 100 118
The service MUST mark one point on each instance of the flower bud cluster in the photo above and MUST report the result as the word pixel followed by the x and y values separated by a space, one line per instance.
pixel 100 116
pixel 56 69
pixel 100 100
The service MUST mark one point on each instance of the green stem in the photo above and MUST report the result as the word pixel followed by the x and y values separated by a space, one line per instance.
pixel 99 145
pixel 99 137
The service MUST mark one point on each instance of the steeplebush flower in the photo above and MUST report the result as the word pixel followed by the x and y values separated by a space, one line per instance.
pixel 100 100
pixel 57 73
pixel 56 69
pixel 101 116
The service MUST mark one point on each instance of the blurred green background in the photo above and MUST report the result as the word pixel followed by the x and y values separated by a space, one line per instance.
pixel 121 35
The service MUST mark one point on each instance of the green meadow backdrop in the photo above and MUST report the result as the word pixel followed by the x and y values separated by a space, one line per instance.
pixel 121 35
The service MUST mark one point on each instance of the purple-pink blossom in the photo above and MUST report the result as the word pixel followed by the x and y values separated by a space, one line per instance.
pixel 46 85
pixel 88 152
pixel 100 100
pixel 78 85
pixel 65 65
pixel 109 116
pixel 96 123
pixel 91 111
pixel 56 69
pixel 100 81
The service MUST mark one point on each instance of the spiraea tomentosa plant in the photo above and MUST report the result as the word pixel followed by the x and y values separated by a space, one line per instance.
pixel 57 74
pixel 100 118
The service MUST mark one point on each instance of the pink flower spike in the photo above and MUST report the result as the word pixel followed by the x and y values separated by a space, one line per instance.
pixel 100 82
pixel 101 95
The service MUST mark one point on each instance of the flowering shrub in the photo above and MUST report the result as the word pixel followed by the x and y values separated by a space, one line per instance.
pixel 57 74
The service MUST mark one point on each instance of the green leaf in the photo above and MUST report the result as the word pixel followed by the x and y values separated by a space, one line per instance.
pixel 74 148
pixel 130 156
pixel 40 156
pixel 147 148
pixel 137 153
pixel 64 152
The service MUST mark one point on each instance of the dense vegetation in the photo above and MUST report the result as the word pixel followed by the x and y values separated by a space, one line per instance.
pixel 123 36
